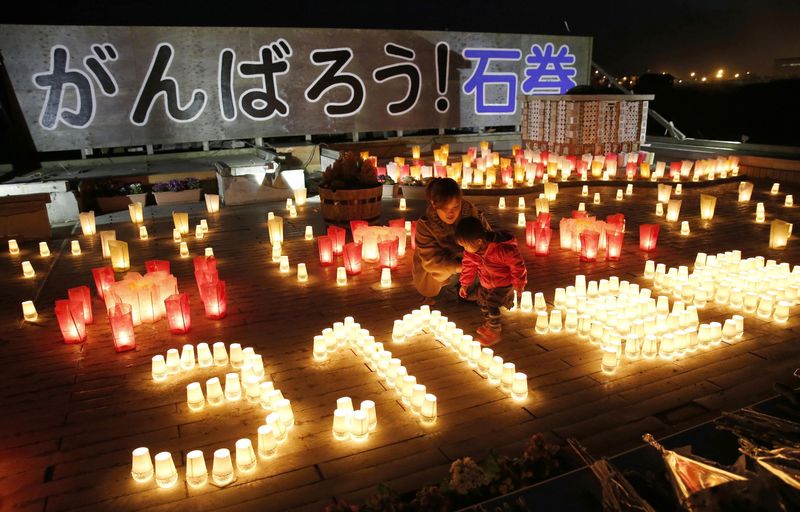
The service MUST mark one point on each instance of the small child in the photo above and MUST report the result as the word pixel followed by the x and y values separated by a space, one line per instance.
pixel 495 258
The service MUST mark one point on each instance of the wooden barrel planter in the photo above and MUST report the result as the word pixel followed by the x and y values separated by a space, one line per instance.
pixel 347 205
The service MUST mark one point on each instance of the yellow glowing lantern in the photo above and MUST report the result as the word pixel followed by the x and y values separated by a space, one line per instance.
pixel 596 198
pixel 196 472
pixel 776 187
pixel 659 209
pixel 136 212
pixel 707 205
pixel 198 232
pixel 194 396
pixel 760 215
pixel 212 203
pixel 428 410
pixel 521 220
pixel 105 236
pixel 678 189
pixel 166 474
pixel 275 228
pixel 341 276
pixel 402 203
pixel 629 190
pixel 619 194
pixel 386 277
pixel 745 191
pixel 789 200
pixel 29 311
pixel 184 250
pixel 181 222
pixel 283 267
pixel 581 206
pixel 685 228
pixel 585 190
pixel 664 192
pixel 141 465
pixel 781 313
pixel 120 258
pixel 302 273
pixel 27 269
pixel 75 247
pixel 673 210
pixel 309 234
pixel 779 234
pixel 415 152
pixel 222 468
pixel 88 224
pixel 44 249
pixel 142 233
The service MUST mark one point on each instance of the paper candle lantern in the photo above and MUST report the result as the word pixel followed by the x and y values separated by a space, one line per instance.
pixel 121 321
pixel 70 319
pixel 745 191
pixel 707 205
pixel 530 233
pixel 88 223
pixel 27 269
pixel 789 200
pixel 141 465
pixel 183 250
pixel 590 241
pixel 166 474
pixel 309 233
pixel 302 273
pixel 245 455
pixel 386 277
pixel 664 191
pixel 402 203
pixel 194 396
pixel 178 313
pixel 198 232
pixel 388 253
pixel 214 300
pixel 222 468
pixel 678 189
pixel 775 188
pixel 120 258
pixel 136 212
pixel 180 221
pixel 103 279
pixel 596 198
pixel 75 247
pixel 659 209
pixel 300 196
pixel 428 410
pixel 13 247
pixel 673 210
pixel 83 296
pixel 543 236
pixel 760 212
pixel 283 266
pixel 341 276
pixel 779 233
pixel 275 229
pixel 337 236
pixel 629 189
pixel 352 258
pixel 648 237
pixel 619 194
pixel 521 220
pixel 44 249
pixel 29 311
pixel 685 228
pixel 614 245
pixel 413 232
pixel 212 203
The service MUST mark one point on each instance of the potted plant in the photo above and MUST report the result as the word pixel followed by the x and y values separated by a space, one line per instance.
pixel 136 193
pixel 413 188
pixel 350 190
pixel 186 190
pixel 390 187
pixel 111 196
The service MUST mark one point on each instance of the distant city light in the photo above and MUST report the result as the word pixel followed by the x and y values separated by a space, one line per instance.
pixel 720 72
pixel 736 75
pixel 703 79
pixel 692 74
pixel 680 81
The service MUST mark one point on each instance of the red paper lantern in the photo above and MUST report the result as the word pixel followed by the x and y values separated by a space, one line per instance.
pixel 157 266
pixel 590 240
pixel 355 224
pixel 630 170
pixel 611 156
pixel 543 220
pixel 614 245
pixel 530 233
pixel 388 253
pixel 325 246
pixel 545 155
pixel 539 170
pixel 215 301
pixel 337 235
pixel 397 223
pixel 674 169
pixel 69 314
pixel 205 264
pixel 178 313
pixel 103 279
pixel 121 321
pixel 543 236
pixel 381 171
pixel 404 170
pixel 441 171
pixel 582 168
pixel 648 236
pixel 617 221
pixel 352 259
pixel 576 214
pixel 82 295
pixel 506 175
pixel 413 235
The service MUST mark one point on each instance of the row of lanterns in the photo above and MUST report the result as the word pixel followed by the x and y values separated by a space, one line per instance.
pixel 351 424
pixel 389 369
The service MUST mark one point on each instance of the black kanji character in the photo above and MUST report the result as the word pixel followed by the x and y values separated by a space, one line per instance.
pixel 157 84
pixel 330 78
pixel 407 70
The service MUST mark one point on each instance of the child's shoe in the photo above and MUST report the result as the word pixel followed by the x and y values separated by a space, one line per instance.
pixel 489 335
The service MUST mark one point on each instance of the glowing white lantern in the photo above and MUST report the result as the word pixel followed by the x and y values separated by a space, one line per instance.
pixel 496 371
pixel 341 276
pixel 596 199
pixel 27 269
pixel 75 247
pixel 775 188
pixel 659 209
pixel 187 357
pixel 233 388
pixel 673 210
pixel 789 200
pixel 13 247
pixel 745 191
pixel 341 424
pixel 141 465
pixel 194 396
pixel 29 311
pixel 184 250
pixel 418 393
pixel 222 469
pixel 300 196
pixel 521 220
pixel 519 387
pixel 610 360
pixel 309 234
pixel 521 203
pixel 267 444
pixel 402 203
pixel 173 361
pixel 196 472
pixel 760 212
pixel 214 393
pixel 629 189
pixel 555 321
pixel 44 249
pixel 386 277
pixel 359 425
pixel 428 410
pixel 166 474
pixel 507 377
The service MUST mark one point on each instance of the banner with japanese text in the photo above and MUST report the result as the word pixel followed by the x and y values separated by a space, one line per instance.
pixel 84 87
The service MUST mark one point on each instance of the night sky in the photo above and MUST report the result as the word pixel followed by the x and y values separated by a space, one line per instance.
pixel 629 37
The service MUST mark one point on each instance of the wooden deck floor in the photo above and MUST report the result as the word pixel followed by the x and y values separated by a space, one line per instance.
pixel 73 413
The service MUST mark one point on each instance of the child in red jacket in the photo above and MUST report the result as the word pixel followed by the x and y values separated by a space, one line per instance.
pixel 495 258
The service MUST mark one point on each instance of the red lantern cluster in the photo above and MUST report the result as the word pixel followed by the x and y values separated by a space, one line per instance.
pixel 212 290
pixel 157 266
pixel 388 253
pixel 103 279
pixel 82 295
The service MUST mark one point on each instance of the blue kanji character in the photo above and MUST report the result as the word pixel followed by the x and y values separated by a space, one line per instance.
pixel 549 73
pixel 480 78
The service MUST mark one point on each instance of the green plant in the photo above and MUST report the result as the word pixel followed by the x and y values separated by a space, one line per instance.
pixel 350 172
pixel 135 188
pixel 177 185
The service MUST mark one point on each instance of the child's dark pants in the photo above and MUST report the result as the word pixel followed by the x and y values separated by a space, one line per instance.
pixel 491 300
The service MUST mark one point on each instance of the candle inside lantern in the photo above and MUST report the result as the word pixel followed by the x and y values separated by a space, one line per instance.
pixel 629 189
pixel 44 249
pixel 276 253
pixel 386 277
pixel 198 232
pixel 120 257
pixel 142 233
pixel 779 234
pixel 75 247
pixel 341 424
pixel 176 235
pixel 29 311
pixel 69 314
pixel 184 250
pixel 88 223
pixel 789 200
pixel 222 469
pixel 13 247
pixel 27 269
pixel 302 273
pixel 196 472
pixel 166 474
pixel 684 227
pixel 673 210
pixel 428 410
pixel 284 265
pixel 775 188
pixel 707 205
pixel 141 465
pixel 402 203
pixel 596 199
pixel 585 190
pixel 519 387
pixel 745 191
pixel 521 220
pixel 760 212
pixel 245 455
pixel 178 313
pixel 194 396
pixel 341 276
pixel 212 203
pixel 136 212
